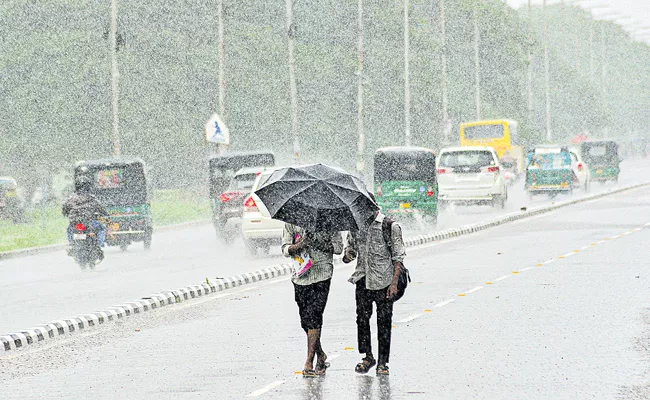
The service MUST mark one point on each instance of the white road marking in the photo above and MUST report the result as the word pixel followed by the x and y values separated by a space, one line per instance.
pixel 601 242
pixel 333 357
pixel 265 389
pixel 476 289
pixel 220 296
pixel 502 278
pixel 525 269
pixel 427 245
pixel 585 247
pixel 549 261
pixel 569 255
pixel 410 318
pixel 444 303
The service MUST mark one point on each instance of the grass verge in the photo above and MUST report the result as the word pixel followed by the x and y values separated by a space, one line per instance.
pixel 45 226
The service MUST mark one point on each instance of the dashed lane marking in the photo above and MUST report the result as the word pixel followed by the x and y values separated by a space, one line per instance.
pixel 525 269
pixel 476 289
pixel 488 283
pixel 409 318
pixel 348 348
pixel 333 357
pixel 502 278
pixel 444 303
pixel 462 294
pixel 265 389
pixel 549 261
pixel 515 272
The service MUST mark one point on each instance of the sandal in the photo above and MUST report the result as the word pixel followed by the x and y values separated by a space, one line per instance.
pixel 308 373
pixel 382 369
pixel 322 368
pixel 365 365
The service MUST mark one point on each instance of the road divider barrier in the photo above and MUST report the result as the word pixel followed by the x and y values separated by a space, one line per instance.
pixel 47 332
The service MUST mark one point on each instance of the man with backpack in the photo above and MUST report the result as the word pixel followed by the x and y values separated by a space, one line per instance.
pixel 379 249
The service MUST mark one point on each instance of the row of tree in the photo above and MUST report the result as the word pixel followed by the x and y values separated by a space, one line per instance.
pixel 55 78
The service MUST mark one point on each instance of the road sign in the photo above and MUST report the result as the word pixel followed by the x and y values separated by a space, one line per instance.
pixel 216 131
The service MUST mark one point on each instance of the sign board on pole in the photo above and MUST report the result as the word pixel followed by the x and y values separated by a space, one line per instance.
pixel 216 131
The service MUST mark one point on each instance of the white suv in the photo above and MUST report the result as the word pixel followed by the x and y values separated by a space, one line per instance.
pixel 258 229
pixel 470 175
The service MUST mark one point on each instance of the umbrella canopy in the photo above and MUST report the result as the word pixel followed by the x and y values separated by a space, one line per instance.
pixel 318 198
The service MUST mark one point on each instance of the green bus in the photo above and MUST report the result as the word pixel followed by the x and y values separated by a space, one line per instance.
pixel 405 182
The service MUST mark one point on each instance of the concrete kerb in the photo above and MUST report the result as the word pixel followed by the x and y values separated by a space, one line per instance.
pixel 50 331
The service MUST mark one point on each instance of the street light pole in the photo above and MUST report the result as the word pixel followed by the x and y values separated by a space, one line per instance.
pixel 446 125
pixel 222 62
pixel 530 65
pixel 547 88
pixel 361 143
pixel 291 31
pixel 603 72
pixel 115 75
pixel 407 88
pixel 477 63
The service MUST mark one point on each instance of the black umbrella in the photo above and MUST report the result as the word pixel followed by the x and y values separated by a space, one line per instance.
pixel 318 198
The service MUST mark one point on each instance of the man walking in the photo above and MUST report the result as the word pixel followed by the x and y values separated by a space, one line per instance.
pixel 380 250
pixel 312 287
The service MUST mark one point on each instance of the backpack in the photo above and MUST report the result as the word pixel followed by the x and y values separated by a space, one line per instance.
pixel 404 277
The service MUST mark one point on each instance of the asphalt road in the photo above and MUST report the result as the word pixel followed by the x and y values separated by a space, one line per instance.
pixel 553 306
pixel 38 289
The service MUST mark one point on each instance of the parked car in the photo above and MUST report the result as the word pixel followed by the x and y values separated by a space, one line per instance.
pixel 470 175
pixel 258 229
pixel 232 202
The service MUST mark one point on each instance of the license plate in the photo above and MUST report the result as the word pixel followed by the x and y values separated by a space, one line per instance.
pixel 405 205
pixel 599 171
pixel 79 236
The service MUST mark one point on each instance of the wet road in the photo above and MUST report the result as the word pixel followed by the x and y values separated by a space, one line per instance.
pixel 38 289
pixel 554 306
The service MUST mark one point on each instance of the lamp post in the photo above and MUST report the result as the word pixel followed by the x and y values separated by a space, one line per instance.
pixel 477 63
pixel 446 123
pixel 547 86
pixel 361 142
pixel 115 77
pixel 407 86
pixel 291 33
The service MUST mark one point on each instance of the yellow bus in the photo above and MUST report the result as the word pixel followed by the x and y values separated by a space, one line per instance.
pixel 500 134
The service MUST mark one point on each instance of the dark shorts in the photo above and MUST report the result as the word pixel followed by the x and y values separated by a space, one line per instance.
pixel 311 300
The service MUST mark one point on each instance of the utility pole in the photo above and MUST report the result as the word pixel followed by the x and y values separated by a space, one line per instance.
pixel 547 88
pixel 407 88
pixel 530 65
pixel 361 142
pixel 222 62
pixel 477 63
pixel 603 73
pixel 115 74
pixel 591 51
pixel 291 32
pixel 446 124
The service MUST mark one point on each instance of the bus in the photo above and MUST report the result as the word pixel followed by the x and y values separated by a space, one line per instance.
pixel 500 134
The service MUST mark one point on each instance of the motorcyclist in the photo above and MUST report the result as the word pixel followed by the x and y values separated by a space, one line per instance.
pixel 83 206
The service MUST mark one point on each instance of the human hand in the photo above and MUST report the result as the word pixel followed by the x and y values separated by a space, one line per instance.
pixel 349 255
pixel 392 291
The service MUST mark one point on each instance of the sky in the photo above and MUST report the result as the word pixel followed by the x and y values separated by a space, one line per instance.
pixel 638 11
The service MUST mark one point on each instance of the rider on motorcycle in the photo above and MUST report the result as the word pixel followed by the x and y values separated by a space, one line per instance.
pixel 83 206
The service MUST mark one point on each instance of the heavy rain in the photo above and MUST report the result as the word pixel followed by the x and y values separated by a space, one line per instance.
pixel 324 200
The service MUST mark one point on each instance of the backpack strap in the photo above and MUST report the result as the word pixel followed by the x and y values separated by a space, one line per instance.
pixel 387 231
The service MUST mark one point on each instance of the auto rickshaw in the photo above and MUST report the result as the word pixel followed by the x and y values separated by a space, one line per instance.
pixel 10 204
pixel 405 182
pixel 227 205
pixel 120 184
pixel 549 172
pixel 602 159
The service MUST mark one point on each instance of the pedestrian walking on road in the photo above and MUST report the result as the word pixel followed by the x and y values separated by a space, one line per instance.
pixel 313 253
pixel 380 251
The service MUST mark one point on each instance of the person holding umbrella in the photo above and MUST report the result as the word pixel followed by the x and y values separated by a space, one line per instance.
pixel 317 202
pixel 312 286
pixel 380 251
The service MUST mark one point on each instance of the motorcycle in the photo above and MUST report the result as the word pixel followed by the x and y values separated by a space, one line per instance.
pixel 509 173
pixel 85 246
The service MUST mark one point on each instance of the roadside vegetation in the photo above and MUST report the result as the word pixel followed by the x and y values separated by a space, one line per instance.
pixel 45 225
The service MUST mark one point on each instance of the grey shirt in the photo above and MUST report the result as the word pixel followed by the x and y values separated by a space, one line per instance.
pixel 322 262
pixel 375 261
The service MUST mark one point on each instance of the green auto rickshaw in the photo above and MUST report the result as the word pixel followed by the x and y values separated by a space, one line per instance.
pixel 405 182
pixel 549 172
pixel 120 184
pixel 602 159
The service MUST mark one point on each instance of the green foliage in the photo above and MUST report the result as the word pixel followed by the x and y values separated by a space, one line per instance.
pixel 55 79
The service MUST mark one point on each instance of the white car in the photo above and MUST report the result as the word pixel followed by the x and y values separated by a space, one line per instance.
pixel 258 229
pixel 580 169
pixel 470 175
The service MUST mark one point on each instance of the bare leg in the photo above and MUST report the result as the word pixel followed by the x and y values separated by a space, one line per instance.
pixel 313 343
